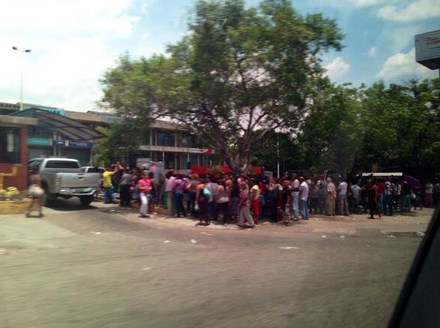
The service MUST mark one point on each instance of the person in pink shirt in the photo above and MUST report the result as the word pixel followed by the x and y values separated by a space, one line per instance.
pixel 144 186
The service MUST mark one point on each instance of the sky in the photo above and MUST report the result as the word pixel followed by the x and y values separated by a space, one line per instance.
pixel 73 42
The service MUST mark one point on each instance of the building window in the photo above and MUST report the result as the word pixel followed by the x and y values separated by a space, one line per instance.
pixel 145 140
pixel 39 132
pixel 194 159
pixel 170 161
pixel 165 138
pixel 184 160
pixel 189 141
pixel 9 145
pixel 156 156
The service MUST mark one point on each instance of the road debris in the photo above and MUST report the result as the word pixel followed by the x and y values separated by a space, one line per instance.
pixel 289 247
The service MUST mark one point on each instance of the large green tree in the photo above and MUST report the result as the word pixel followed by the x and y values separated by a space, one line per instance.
pixel 403 125
pixel 395 127
pixel 333 131
pixel 277 151
pixel 238 70
pixel 123 139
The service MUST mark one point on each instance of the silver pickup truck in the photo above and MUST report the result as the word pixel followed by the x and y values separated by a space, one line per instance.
pixel 64 177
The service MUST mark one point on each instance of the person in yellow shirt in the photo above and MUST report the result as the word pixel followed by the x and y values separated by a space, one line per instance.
pixel 107 184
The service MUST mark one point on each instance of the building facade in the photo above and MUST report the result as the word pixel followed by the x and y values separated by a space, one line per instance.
pixel 175 147
pixel 13 151
pixel 73 134
pixel 58 135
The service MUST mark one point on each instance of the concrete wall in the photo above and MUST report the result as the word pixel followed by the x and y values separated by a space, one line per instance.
pixel 16 175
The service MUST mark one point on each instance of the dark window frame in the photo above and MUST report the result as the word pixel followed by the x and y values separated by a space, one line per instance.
pixel 6 156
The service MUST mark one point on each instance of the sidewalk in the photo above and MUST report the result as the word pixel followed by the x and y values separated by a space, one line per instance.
pixel 413 223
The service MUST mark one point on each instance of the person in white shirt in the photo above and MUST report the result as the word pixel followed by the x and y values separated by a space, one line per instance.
pixel 170 198
pixel 356 193
pixel 342 198
pixel 295 197
pixel 429 191
pixel 303 197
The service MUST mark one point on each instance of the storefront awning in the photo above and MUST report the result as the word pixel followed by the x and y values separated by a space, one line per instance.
pixel 64 126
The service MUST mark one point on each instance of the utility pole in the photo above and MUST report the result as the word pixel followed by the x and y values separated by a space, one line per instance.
pixel 22 52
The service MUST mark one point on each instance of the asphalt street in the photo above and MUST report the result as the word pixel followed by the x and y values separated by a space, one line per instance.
pixel 105 267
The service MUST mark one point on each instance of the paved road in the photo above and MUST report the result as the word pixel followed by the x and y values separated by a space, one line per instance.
pixel 105 267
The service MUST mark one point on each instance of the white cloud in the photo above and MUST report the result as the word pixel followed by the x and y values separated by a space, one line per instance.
pixel 391 10
pixel 64 76
pixel 414 11
pixel 398 39
pixel 368 3
pixel 404 65
pixel 356 3
pixel 372 52
pixel 76 17
pixel 337 68
pixel 72 42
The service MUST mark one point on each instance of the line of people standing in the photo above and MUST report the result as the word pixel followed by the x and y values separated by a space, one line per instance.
pixel 249 200
pixel 132 184
pixel 208 198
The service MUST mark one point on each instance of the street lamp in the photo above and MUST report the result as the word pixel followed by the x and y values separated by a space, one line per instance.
pixel 21 72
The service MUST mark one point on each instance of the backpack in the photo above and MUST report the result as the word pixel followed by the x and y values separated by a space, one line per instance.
pixel 207 193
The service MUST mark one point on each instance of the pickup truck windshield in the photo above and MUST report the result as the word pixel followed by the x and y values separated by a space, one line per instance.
pixel 62 165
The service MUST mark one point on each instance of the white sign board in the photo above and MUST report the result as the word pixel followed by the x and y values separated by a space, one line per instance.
pixel 428 48
pixel 141 162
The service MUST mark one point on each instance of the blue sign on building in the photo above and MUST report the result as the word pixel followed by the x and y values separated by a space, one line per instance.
pixel 58 142
pixel 81 144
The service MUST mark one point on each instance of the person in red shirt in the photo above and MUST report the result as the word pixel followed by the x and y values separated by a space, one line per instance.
pixel 255 201
pixel 380 190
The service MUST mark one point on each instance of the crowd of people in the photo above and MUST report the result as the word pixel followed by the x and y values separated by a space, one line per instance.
pixel 248 200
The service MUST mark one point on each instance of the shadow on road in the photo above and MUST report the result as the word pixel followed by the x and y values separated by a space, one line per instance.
pixel 72 204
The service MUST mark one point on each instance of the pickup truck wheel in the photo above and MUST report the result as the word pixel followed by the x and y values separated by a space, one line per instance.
pixel 86 200
pixel 47 198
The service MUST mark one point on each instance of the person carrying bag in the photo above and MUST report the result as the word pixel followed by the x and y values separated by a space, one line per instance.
pixel 36 193
pixel 144 186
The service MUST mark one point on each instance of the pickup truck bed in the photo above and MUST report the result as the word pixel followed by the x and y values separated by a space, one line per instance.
pixel 63 177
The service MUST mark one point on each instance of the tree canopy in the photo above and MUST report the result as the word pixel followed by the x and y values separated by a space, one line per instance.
pixel 236 71
pixel 247 79
pixel 396 128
